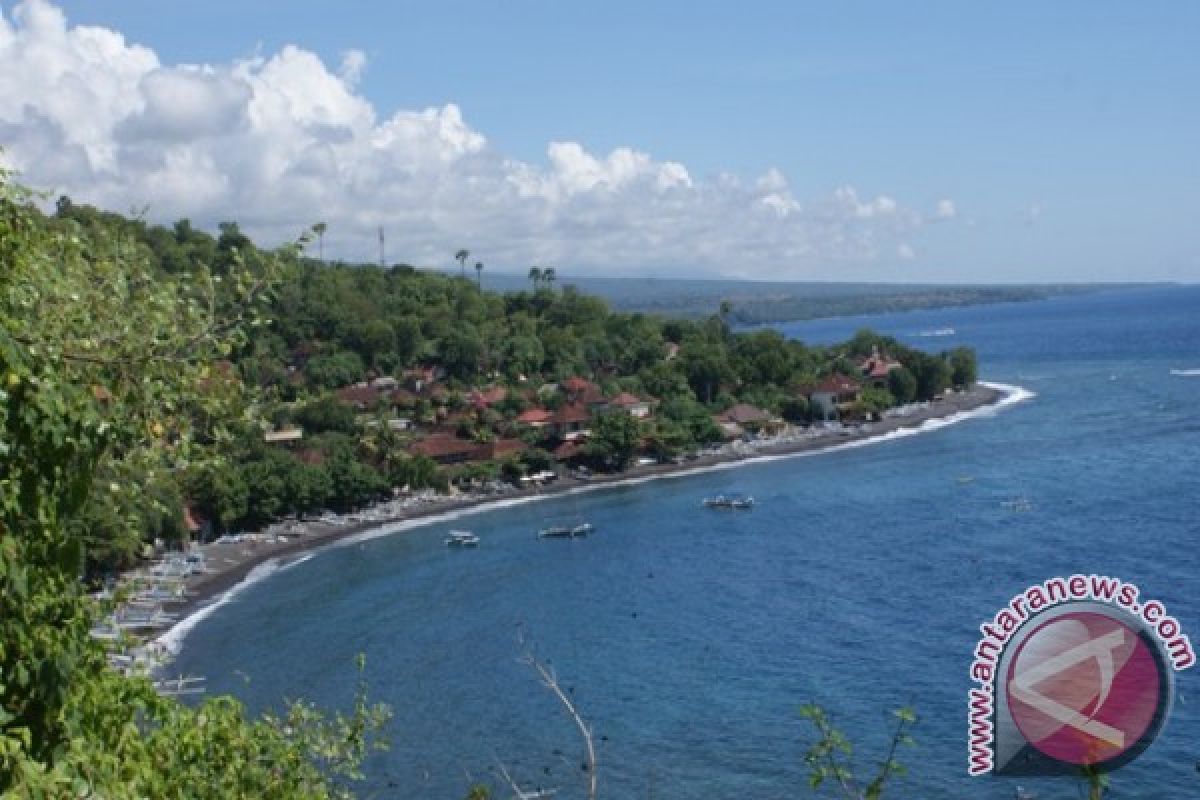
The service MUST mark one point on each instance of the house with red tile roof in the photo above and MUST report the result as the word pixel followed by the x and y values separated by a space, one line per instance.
pixel 631 404
pixel 571 421
pixel 577 385
pixel 419 379
pixel 360 396
pixel 536 418
pixel 446 448
pixel 746 414
pixel 834 395
pixel 567 451
pixel 486 398
pixel 581 390
pixel 498 448
pixel 735 420
pixel 876 367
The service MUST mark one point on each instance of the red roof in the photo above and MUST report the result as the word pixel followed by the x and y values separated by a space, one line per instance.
pixel 534 416
pixel 879 367
pixel 838 384
pixel 424 373
pixel 567 450
pixel 357 395
pixel 626 399
pixel 573 412
pixel 577 384
pixel 498 448
pixel 482 398
pixel 743 412
pixel 440 445
pixel 193 520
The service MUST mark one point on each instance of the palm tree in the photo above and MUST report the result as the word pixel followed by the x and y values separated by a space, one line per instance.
pixel 382 444
pixel 319 229
pixel 549 276
pixel 479 274
pixel 462 256
pixel 535 276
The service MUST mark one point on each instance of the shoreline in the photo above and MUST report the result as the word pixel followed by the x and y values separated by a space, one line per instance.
pixel 233 565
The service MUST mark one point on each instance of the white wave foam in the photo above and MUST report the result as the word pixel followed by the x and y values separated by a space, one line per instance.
pixel 173 638
pixel 1012 396
pixel 1186 373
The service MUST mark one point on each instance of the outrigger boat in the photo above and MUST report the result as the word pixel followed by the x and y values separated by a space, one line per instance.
pixel 566 531
pixel 462 539
pixel 721 501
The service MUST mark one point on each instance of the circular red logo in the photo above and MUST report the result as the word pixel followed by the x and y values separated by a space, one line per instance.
pixel 1083 688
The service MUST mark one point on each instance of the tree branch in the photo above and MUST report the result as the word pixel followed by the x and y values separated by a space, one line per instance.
pixel 550 681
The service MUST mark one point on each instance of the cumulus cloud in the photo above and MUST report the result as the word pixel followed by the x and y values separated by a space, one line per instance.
pixel 282 141
pixel 354 62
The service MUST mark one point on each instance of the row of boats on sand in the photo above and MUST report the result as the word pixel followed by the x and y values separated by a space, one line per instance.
pixel 129 627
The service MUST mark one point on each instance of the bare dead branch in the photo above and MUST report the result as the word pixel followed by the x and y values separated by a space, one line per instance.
pixel 550 681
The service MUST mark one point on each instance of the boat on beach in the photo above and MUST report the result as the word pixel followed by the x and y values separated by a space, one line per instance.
pixel 462 539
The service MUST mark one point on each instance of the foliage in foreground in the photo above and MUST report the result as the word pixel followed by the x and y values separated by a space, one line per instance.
pixel 107 384
pixel 829 758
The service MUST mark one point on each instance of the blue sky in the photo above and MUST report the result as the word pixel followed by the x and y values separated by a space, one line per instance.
pixel 1007 142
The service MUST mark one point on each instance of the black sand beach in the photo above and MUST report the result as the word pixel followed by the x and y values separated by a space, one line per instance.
pixel 230 562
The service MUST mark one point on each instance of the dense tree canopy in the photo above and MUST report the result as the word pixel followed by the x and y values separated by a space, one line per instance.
pixel 112 379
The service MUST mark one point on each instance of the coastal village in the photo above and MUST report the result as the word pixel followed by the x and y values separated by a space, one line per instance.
pixel 362 398
pixel 367 395
pixel 557 420
pixel 434 421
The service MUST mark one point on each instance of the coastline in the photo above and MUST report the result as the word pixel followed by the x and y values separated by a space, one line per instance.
pixel 241 564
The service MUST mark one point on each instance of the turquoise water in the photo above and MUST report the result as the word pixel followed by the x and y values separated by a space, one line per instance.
pixel 689 637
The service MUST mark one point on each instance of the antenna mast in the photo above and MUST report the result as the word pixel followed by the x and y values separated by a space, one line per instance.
pixel 380 245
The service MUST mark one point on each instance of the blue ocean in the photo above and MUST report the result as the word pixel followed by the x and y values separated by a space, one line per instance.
pixel 689 638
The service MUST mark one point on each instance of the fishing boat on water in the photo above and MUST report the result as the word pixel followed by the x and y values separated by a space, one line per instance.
pixel 462 539
pixel 566 531
pixel 733 502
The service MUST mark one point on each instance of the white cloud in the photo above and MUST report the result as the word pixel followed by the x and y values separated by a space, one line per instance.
pixel 354 63
pixel 282 141
pixel 945 210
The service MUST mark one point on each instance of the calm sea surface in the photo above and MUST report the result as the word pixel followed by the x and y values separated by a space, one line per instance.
pixel 690 637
